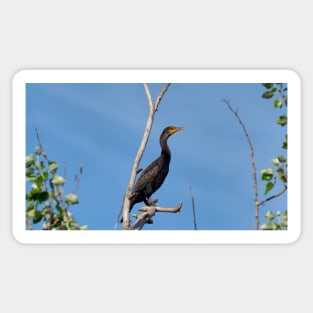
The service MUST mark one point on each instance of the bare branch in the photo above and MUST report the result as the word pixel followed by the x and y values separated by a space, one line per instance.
pixel 160 209
pixel 160 96
pixel 255 183
pixel 146 218
pixel 135 167
pixel 43 153
pixel 193 208
pixel 150 101
pixel 77 179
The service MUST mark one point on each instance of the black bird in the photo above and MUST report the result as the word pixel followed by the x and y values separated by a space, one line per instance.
pixel 152 178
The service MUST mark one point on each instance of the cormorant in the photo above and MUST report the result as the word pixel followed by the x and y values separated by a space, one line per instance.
pixel 152 178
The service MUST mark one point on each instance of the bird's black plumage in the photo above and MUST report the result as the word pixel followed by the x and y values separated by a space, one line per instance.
pixel 152 178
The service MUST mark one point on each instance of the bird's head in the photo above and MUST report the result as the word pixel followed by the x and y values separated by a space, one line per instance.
pixel 170 130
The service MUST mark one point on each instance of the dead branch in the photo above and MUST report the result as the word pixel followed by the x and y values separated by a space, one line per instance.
pixel 160 209
pixel 255 182
pixel 152 109
pixel 193 209
pixel 146 218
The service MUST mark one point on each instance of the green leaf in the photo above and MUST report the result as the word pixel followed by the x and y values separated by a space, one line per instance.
pixel 60 210
pixel 30 160
pixel 268 94
pixel 267 174
pixel 268 85
pixel 282 174
pixel 85 227
pixel 284 219
pixel 269 187
pixel 39 165
pixel 281 159
pixel 39 181
pixel 270 215
pixel 52 196
pixel 31 212
pixel 282 120
pixel 53 166
pixel 58 180
pixel 37 195
pixel 42 196
pixel 35 215
pixel 31 178
pixel 38 150
pixel 37 218
pixel 269 226
pixel 30 206
pixel 29 171
pixel 277 103
pixel 278 227
pixel 275 162
pixel 71 199
pixel 45 175
pixel 281 170
pixel 285 143
pixel 284 178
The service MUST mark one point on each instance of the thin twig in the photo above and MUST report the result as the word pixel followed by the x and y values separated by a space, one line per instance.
pixel 43 153
pixel 278 194
pixel 28 223
pixel 77 179
pixel 255 183
pixel 193 209
pixel 160 96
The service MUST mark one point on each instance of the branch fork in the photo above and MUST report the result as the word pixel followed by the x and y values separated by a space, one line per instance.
pixel 149 212
pixel 153 107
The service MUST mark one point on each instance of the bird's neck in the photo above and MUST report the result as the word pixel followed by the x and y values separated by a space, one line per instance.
pixel 166 152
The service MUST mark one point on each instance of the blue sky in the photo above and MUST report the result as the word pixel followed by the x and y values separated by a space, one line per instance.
pixel 101 125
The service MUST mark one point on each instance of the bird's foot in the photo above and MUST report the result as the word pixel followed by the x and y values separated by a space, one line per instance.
pixel 150 202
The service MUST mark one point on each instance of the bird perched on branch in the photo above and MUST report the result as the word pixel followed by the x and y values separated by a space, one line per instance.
pixel 152 178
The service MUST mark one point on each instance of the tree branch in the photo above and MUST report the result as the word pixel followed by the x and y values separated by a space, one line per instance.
pixel 278 194
pixel 146 218
pixel 160 96
pixel 255 183
pixel 255 186
pixel 153 108
pixel 193 209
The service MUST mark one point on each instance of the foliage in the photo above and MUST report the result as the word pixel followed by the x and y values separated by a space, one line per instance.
pixel 45 200
pixel 275 221
pixel 272 175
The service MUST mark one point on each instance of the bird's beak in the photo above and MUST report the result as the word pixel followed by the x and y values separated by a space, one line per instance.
pixel 174 130
pixel 178 128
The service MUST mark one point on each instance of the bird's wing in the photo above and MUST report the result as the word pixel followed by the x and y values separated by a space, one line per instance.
pixel 149 174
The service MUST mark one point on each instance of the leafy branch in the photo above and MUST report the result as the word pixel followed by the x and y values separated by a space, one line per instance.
pixel 46 200
pixel 269 175
pixel 278 91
